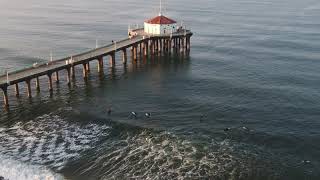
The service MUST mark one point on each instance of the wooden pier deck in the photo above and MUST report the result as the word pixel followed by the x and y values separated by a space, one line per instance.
pixel 142 43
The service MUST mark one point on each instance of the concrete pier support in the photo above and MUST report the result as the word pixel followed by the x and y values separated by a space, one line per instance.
pixel 185 44
pixel 149 47
pixel 37 84
pixel 112 60
pixel 132 53
pixel 157 46
pixel 17 90
pixel 50 82
pixel 172 43
pixel 188 43
pixel 145 48
pixel 152 47
pixel 29 93
pixel 124 56
pixel 84 71
pixel 68 76
pixel 57 76
pixel 169 45
pixel 5 96
pixel 140 49
pixel 160 46
pixel 166 45
pixel 135 52
pixel 179 45
pixel 182 45
pixel 88 67
pixel 73 73
pixel 142 46
pixel 100 64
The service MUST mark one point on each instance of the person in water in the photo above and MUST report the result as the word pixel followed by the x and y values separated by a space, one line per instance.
pixel 148 115
pixel 109 110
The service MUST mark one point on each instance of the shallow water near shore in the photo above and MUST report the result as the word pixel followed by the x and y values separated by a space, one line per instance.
pixel 253 68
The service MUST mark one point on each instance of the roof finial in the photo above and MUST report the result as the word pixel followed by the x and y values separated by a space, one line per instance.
pixel 160 13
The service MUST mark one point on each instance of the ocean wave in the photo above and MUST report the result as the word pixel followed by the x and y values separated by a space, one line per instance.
pixel 150 155
pixel 14 170
pixel 49 140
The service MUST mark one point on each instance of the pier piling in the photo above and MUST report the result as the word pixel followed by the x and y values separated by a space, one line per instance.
pixel 68 76
pixel 135 52
pixel 73 73
pixel 124 56
pixel 112 60
pixel 29 93
pixel 50 82
pixel 17 90
pixel 5 96
pixel 57 76
pixel 84 71
pixel 88 67
pixel 100 64
pixel 37 84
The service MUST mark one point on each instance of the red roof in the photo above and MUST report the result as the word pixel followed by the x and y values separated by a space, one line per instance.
pixel 160 20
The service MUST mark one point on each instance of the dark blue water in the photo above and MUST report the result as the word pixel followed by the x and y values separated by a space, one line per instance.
pixel 253 68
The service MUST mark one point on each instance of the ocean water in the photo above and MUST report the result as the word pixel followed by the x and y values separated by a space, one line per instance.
pixel 253 67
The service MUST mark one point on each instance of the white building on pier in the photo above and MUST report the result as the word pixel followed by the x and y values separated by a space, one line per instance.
pixel 160 25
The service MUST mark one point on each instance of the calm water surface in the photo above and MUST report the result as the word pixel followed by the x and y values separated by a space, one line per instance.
pixel 253 68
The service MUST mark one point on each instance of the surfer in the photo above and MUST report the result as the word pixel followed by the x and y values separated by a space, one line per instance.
pixel 148 115
pixel 134 114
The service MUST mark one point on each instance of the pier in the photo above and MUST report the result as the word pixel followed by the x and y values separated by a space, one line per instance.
pixel 139 44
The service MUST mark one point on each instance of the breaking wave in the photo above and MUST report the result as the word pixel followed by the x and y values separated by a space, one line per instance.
pixel 149 155
pixel 13 170
pixel 49 140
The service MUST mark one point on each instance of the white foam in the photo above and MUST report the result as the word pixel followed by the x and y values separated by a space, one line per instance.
pixel 163 156
pixel 49 140
pixel 14 170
